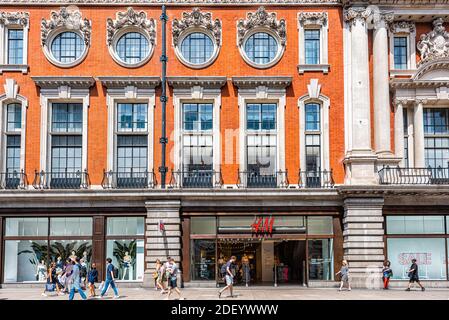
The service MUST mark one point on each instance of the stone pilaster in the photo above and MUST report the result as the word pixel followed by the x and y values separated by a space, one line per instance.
pixel 160 245
pixel 360 158
pixel 363 245
pixel 399 130
pixel 418 134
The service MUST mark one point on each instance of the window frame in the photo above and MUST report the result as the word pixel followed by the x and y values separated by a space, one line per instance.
pixel 403 29
pixel 278 56
pixel 121 33
pixel 19 24
pixel 48 52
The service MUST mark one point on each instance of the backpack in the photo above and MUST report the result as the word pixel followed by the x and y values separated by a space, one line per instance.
pixel 83 271
pixel 115 272
pixel 223 270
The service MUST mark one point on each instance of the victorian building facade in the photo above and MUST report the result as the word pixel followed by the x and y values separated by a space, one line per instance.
pixel 297 134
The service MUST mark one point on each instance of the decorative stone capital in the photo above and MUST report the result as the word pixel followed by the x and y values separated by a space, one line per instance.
pixel 68 18
pixel 130 18
pixel 402 26
pixel 354 14
pixel 420 102
pixel 382 19
pixel 434 44
pixel 400 101
pixel 261 19
pixel 197 19
pixel 312 18
pixel 15 18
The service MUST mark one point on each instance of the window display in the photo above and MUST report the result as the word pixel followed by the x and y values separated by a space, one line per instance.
pixel 25 260
pixel 321 262
pixel 128 257
pixel 70 249
pixel 203 259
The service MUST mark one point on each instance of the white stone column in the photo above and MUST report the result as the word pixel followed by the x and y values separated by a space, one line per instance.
pixel 360 158
pixel 160 245
pixel 381 85
pixel 399 131
pixel 418 134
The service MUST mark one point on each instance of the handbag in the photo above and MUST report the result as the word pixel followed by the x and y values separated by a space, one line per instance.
pixel 50 287
pixel 155 275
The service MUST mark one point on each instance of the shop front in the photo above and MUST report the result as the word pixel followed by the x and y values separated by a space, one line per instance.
pixel 270 249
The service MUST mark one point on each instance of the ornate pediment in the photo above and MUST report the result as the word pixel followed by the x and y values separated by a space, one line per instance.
pixel 402 26
pixel 312 18
pixel 197 19
pixel 15 18
pixel 263 19
pixel 69 18
pixel 130 18
pixel 434 44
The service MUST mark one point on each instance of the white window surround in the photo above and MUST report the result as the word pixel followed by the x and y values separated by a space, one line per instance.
pixel 313 21
pixel 262 90
pixel 314 96
pixel 403 29
pixel 13 20
pixel 192 22
pixel 65 20
pixel 129 90
pixel 11 96
pixel 130 21
pixel 196 90
pixel 62 90
pixel 261 21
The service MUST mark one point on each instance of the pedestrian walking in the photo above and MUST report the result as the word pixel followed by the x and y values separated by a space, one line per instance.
pixel 387 273
pixel 227 273
pixel 76 280
pixel 66 277
pixel 172 271
pixel 413 276
pixel 92 278
pixel 344 273
pixel 110 276
pixel 157 276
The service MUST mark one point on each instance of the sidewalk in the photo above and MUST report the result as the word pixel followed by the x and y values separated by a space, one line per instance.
pixel 256 293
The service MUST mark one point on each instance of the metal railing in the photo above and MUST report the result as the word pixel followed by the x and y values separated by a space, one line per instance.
pixel 129 180
pixel 413 176
pixel 13 180
pixel 196 179
pixel 61 180
pixel 316 179
pixel 254 179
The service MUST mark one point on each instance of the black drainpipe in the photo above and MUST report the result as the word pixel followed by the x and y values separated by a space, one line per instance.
pixel 163 140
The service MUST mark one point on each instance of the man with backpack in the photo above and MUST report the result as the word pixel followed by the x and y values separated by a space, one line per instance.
pixel 111 274
pixel 172 270
pixel 226 272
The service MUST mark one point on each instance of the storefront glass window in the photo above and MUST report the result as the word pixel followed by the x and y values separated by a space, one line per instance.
pixel 319 225
pixel 203 259
pixel 430 254
pixel 321 262
pixel 126 226
pixel 70 249
pixel 128 256
pixel 71 226
pixel 32 227
pixel 415 224
pixel 203 225
pixel 25 260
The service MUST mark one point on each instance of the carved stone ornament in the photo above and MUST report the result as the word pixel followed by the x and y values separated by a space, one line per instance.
pixel 434 44
pixel 130 18
pixel 15 18
pixel 401 26
pixel 312 18
pixel 69 18
pixel 261 18
pixel 173 2
pixel 354 14
pixel 197 19
pixel 382 19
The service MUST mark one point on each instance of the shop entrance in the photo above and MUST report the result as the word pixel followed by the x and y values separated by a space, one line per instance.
pixel 264 261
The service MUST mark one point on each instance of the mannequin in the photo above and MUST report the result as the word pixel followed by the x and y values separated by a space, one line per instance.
pixel 59 265
pixel 41 272
pixel 127 260
pixel 86 260
pixel 73 256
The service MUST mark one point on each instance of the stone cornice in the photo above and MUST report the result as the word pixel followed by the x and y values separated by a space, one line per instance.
pixel 130 18
pixel 15 18
pixel 170 2
pixel 124 81
pixel 49 82
pixel 396 2
pixel 414 84
pixel 189 82
pixel 279 82
pixel 385 190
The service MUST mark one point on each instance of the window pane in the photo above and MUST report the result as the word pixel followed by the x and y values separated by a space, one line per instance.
pixel 15 46
pixel 197 117
pixel 14 117
pixel 67 47
pixel 33 227
pixel 429 253
pixel 261 116
pixel 132 117
pixel 321 259
pixel 23 260
pixel 261 48
pixel 312 116
pixel 13 155
pixel 400 53
pixel 125 226
pixel 415 224
pixel 319 225
pixel 312 46
pixel 197 48
pixel 71 226
pixel 128 256
pixel 203 260
pixel 132 154
pixel 203 225
pixel 71 249
pixel 132 47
